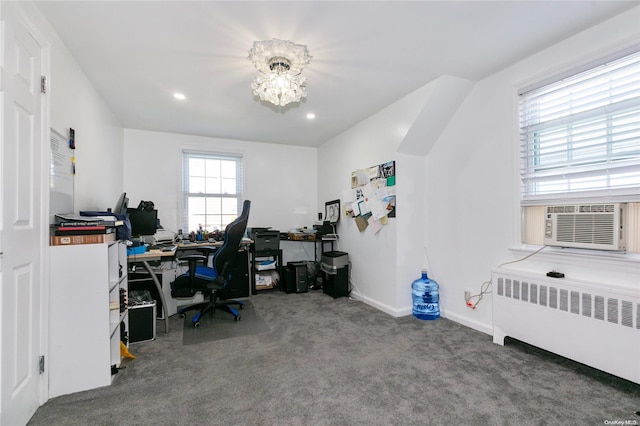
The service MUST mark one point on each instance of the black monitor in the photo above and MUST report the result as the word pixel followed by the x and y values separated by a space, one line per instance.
pixel 121 205
pixel 143 222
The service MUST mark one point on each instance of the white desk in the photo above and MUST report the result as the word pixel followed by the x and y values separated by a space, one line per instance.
pixel 144 259
pixel 151 256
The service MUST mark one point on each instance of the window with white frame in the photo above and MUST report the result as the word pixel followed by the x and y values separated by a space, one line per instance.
pixel 580 139
pixel 580 136
pixel 212 190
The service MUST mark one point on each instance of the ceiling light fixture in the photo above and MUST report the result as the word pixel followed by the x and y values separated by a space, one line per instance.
pixel 279 63
pixel 179 96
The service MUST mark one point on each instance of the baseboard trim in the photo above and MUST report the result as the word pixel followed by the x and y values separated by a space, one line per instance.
pixel 384 308
pixel 478 326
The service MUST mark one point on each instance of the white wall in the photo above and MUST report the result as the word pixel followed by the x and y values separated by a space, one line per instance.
pixel 99 135
pixel 280 180
pixel 458 206
pixel 74 103
pixel 472 192
pixel 383 265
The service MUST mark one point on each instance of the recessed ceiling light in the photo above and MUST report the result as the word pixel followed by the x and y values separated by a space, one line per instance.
pixel 179 96
pixel 311 116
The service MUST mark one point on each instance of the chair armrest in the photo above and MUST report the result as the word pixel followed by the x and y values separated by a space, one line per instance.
pixel 208 249
pixel 193 257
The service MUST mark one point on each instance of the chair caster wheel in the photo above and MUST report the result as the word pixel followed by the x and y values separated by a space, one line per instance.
pixel 241 306
pixel 237 318
pixel 196 324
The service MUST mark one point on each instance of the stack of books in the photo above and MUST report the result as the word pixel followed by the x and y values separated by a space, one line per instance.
pixel 72 229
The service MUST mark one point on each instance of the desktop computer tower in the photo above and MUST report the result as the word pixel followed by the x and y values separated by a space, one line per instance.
pixel 295 278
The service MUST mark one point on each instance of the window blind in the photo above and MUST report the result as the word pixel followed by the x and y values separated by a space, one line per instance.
pixel 580 136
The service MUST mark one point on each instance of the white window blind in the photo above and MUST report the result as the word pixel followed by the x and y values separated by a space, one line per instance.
pixel 580 136
pixel 212 190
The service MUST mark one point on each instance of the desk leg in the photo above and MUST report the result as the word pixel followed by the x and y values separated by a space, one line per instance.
pixel 160 292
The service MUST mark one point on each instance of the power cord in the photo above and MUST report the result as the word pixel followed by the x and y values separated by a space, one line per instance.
pixel 485 288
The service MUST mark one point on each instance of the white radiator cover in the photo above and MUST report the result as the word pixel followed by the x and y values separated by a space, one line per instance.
pixel 596 324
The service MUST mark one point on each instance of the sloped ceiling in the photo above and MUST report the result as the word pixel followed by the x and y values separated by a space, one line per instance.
pixel 366 55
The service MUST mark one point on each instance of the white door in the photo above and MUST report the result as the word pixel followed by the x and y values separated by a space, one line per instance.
pixel 22 223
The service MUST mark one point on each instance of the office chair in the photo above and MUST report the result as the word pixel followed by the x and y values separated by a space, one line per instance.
pixel 211 282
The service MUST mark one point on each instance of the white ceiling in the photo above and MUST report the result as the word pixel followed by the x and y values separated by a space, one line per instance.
pixel 365 56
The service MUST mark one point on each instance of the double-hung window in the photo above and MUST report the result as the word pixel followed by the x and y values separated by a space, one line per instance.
pixel 212 190
pixel 580 138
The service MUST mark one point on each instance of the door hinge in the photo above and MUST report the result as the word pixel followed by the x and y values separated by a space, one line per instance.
pixel 43 84
pixel 41 364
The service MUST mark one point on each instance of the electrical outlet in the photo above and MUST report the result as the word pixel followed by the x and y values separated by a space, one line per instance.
pixel 467 294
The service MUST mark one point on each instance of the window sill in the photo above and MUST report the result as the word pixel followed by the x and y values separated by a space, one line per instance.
pixel 591 255
pixel 591 265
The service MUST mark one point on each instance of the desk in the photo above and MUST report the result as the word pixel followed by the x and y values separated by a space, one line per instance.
pixel 144 259
pixel 321 241
pixel 277 254
pixel 151 256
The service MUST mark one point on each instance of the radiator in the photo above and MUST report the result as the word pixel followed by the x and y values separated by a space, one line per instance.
pixel 596 324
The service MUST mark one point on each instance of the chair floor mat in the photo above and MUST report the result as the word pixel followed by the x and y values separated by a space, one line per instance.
pixel 222 325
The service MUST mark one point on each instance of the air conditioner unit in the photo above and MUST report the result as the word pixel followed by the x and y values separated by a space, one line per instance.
pixel 589 226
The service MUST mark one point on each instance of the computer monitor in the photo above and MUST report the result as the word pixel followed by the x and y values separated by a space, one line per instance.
pixel 143 222
pixel 121 205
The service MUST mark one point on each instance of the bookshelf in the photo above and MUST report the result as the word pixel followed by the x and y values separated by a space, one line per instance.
pixel 86 318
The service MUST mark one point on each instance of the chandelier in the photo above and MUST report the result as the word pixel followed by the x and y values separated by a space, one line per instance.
pixel 279 64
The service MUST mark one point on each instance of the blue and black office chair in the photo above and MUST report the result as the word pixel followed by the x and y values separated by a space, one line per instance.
pixel 211 282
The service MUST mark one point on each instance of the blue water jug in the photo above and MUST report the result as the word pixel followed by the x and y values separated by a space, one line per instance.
pixel 426 298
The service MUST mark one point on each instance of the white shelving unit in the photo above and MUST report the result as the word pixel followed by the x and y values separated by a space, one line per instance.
pixel 85 317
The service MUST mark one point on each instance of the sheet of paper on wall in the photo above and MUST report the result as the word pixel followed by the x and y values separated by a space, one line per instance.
pixel 359 178
pixel 374 172
pixel 383 192
pixel 376 206
pixel 347 203
pixel 388 172
pixel 362 208
pixel 387 196
pixel 378 183
pixel 357 194
pixel 361 222
pixel 348 210
pixel 374 225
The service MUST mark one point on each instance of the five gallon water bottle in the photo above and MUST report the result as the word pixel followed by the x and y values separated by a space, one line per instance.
pixel 426 298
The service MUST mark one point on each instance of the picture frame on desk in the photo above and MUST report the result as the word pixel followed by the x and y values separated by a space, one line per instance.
pixel 332 211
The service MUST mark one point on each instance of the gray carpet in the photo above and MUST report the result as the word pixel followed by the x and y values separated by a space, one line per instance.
pixel 342 362
pixel 222 325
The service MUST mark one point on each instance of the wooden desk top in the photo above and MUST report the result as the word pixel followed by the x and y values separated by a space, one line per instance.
pixel 195 245
pixel 158 254
pixel 150 255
